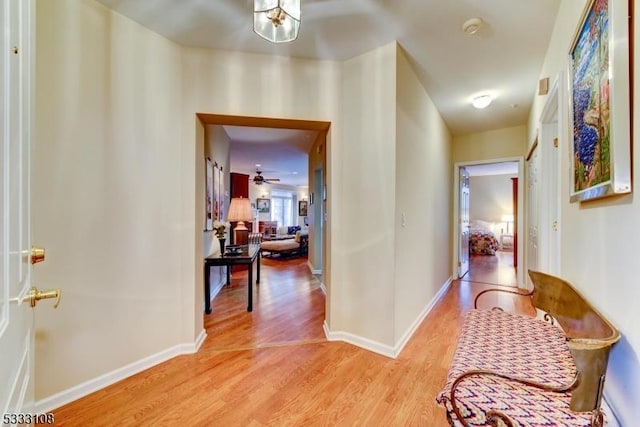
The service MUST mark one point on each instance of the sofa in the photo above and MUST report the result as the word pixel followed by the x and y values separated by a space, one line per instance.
pixel 286 244
pixel 287 231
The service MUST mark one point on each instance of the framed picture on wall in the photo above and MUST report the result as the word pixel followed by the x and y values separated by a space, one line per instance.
pixel 209 199
pixel 302 208
pixel 264 205
pixel 216 192
pixel 221 193
pixel 599 102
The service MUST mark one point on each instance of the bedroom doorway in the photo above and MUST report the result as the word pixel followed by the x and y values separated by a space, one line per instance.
pixel 492 223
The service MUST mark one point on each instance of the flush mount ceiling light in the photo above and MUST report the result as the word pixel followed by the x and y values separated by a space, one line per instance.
pixel 472 26
pixel 481 101
pixel 277 21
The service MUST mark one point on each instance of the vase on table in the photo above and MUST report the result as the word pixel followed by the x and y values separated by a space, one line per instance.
pixel 222 241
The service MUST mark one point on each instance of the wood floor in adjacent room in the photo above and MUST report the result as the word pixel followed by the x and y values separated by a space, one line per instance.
pixel 274 367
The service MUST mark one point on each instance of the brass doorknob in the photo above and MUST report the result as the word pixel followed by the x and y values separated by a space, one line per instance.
pixel 34 295
pixel 37 254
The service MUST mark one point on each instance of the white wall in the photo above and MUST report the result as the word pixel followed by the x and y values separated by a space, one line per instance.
pixel 264 191
pixel 260 192
pixel 423 197
pixel 363 301
pixel 118 188
pixel 105 184
pixel 490 145
pixel 491 197
pixel 217 148
pixel 599 238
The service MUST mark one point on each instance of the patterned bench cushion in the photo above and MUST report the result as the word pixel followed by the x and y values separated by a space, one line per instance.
pixel 516 346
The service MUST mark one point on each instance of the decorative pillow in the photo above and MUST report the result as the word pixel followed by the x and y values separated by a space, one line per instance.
pixel 292 229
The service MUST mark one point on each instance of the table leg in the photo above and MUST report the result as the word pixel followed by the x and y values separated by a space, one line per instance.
pixel 228 275
pixel 207 288
pixel 250 288
pixel 258 272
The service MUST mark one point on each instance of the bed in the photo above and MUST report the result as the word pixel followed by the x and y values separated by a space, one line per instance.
pixel 482 239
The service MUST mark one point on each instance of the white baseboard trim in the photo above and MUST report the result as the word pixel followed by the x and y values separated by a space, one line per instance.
pixel 196 346
pixel 416 323
pixel 215 291
pixel 50 403
pixel 312 269
pixel 358 341
pixel 612 419
pixel 622 385
pixel 384 349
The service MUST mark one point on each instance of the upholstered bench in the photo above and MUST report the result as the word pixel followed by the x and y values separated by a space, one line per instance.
pixel 515 370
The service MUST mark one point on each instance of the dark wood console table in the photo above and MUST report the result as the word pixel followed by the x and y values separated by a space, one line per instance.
pixel 249 254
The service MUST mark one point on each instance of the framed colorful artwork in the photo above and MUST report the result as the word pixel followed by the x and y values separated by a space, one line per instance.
pixel 600 102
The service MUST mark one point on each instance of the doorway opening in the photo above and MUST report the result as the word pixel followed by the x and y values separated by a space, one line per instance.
pixel 488 200
pixel 297 281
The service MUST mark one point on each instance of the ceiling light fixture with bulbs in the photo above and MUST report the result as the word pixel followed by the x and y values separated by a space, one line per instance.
pixel 277 21
pixel 482 101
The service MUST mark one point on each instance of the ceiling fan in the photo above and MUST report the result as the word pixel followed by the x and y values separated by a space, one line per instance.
pixel 259 179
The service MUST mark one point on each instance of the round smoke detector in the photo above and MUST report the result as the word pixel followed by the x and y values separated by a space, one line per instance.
pixel 472 26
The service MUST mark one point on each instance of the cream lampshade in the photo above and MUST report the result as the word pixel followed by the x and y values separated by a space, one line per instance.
pixel 240 211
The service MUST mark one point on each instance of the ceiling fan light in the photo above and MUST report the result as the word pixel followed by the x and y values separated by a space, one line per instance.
pixel 277 21
pixel 482 101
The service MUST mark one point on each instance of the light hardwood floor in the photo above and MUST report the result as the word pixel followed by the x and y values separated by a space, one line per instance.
pixel 273 367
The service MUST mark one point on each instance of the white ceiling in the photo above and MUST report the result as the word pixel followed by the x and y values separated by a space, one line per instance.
pixel 281 153
pixel 503 59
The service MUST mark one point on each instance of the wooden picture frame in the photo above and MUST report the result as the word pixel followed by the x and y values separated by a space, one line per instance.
pixel 600 102
pixel 264 205
pixel 302 208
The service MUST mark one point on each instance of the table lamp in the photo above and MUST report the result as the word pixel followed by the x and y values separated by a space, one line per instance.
pixel 240 211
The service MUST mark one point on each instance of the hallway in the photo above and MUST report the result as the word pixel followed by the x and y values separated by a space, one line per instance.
pixel 494 270
pixel 274 367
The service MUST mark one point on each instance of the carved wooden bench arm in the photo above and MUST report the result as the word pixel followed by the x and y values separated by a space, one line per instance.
pixel 507 291
pixel 493 416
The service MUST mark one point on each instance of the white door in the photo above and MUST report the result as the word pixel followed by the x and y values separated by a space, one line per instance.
pixel 549 177
pixel 533 203
pixel 16 315
pixel 463 255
